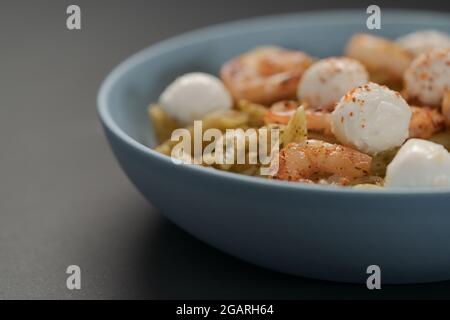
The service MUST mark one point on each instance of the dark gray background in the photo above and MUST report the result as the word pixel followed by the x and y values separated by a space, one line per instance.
pixel 64 200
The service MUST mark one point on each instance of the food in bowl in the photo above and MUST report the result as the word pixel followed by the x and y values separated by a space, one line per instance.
pixel 378 117
pixel 422 41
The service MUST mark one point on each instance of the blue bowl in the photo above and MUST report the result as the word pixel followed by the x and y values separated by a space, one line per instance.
pixel 313 231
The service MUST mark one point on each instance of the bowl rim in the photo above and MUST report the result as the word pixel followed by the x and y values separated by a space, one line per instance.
pixel 270 22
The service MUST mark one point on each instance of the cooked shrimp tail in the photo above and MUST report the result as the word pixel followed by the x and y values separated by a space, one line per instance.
pixel 265 75
pixel 315 160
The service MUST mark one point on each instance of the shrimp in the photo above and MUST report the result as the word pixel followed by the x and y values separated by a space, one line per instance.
pixel 385 60
pixel 282 111
pixel 319 121
pixel 313 161
pixel 425 122
pixel 265 75
pixel 446 107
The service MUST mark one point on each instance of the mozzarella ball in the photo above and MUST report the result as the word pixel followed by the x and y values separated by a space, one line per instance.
pixel 419 163
pixel 326 81
pixel 428 77
pixel 423 41
pixel 193 95
pixel 372 119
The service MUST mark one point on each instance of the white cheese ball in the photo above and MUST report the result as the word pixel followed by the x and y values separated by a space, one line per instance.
pixel 372 119
pixel 428 77
pixel 193 95
pixel 419 163
pixel 326 81
pixel 423 41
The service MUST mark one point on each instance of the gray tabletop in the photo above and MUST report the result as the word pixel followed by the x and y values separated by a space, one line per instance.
pixel 63 199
